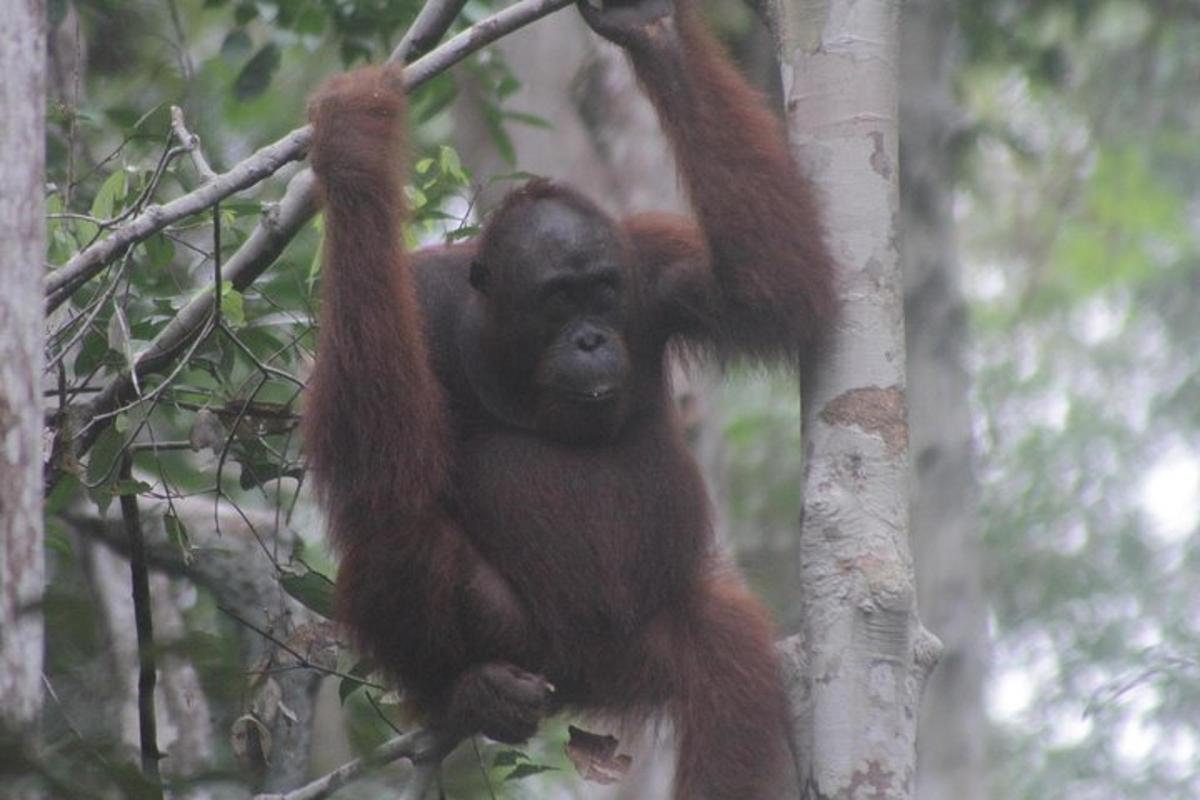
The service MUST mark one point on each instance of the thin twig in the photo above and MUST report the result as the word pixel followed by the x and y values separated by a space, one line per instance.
pixel 302 661
pixel 426 749
pixel 427 30
pixel 423 776
pixel 191 142
pixel 487 779
pixel 62 282
pixel 218 290
pixel 185 58
pixel 88 317
pixel 147 669
pixel 87 743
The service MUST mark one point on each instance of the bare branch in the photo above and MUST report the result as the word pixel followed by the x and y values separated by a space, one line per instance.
pixel 479 35
pixel 424 773
pixel 62 282
pixel 302 661
pixel 190 142
pixel 148 670
pixel 427 30
pixel 425 748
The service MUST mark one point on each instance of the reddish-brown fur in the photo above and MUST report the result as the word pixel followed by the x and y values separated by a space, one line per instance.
pixel 474 553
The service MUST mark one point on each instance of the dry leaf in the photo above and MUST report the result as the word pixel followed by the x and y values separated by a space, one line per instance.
pixel 251 742
pixel 595 756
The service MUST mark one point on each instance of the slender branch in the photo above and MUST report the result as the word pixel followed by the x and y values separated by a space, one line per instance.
pixel 424 774
pixel 147 669
pixel 427 30
pixel 190 142
pixel 302 661
pixel 426 749
pixel 88 316
pixel 62 282
pixel 273 232
pixel 479 35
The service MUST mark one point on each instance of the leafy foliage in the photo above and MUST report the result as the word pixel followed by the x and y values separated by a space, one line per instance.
pixel 216 463
pixel 1083 265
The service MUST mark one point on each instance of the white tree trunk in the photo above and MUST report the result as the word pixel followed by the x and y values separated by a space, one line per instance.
pixel 945 495
pixel 861 659
pixel 22 254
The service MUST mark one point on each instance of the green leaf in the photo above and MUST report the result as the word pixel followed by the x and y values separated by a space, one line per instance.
pixel 508 758
pixel 101 466
pixel 91 355
pixel 236 45
pixel 85 232
pixel 311 20
pixel 433 97
pixel 233 306
pixel 256 76
pixel 244 13
pixel 351 683
pixel 314 266
pixel 493 120
pixel 132 783
pixel 177 534
pixel 312 589
pixel 128 486
pixel 160 251
pixel 416 198
pixel 354 50
pixel 62 494
pixel 110 192
pixel 532 120
pixel 118 333
pixel 465 232
pixel 256 473
pixel 59 539
pixel 451 164
pixel 515 175
pixel 507 86
pixel 527 769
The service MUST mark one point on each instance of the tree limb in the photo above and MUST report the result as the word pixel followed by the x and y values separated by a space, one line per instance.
pixel 425 749
pixel 147 668
pixel 62 282
pixel 191 142
pixel 427 30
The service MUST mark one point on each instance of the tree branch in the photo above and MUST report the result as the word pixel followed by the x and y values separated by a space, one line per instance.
pixel 427 30
pixel 147 669
pixel 63 281
pixel 276 228
pixel 191 142
pixel 425 749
